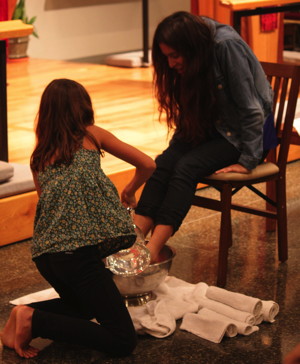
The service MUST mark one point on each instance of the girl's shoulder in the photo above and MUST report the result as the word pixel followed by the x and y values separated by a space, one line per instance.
pixel 97 133
pixel 104 137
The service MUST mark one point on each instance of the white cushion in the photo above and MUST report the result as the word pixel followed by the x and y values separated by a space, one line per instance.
pixel 130 59
pixel 6 171
pixel 20 182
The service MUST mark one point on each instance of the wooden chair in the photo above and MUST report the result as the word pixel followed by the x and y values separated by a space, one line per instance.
pixel 285 83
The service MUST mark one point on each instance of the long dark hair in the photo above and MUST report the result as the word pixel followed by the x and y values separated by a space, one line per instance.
pixel 64 113
pixel 188 99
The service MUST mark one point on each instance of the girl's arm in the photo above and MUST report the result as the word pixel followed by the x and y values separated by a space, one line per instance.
pixel 143 163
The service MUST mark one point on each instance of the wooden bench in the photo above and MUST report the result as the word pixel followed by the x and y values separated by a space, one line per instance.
pixel 18 200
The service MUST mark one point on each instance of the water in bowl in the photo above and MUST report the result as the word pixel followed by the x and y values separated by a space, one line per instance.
pixel 131 261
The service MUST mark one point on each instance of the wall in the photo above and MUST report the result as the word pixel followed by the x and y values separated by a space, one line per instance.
pixel 70 29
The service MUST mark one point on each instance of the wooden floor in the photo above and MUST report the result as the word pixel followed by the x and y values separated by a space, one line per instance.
pixel 122 100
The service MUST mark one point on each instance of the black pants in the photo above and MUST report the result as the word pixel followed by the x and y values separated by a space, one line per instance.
pixel 168 194
pixel 86 291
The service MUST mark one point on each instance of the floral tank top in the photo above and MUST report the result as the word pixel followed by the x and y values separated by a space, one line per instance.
pixel 79 206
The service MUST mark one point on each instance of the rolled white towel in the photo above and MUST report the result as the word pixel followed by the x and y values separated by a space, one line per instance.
pixel 241 327
pixel 206 325
pixel 259 319
pixel 236 300
pixel 226 310
pixel 199 290
pixel 269 310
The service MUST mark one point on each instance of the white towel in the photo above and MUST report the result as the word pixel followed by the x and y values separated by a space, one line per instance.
pixel 269 310
pixel 208 326
pixel 176 299
pixel 175 288
pixel 242 327
pixel 156 320
pixel 236 300
pixel 213 326
pixel 226 310
pixel 259 319
pixel 199 291
pixel 46 294
pixel 178 308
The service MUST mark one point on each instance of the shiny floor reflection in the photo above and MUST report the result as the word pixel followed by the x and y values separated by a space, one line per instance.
pixel 253 269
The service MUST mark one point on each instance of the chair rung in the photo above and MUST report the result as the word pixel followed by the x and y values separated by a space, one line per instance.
pixel 262 195
pixel 215 205
pixel 258 212
pixel 207 203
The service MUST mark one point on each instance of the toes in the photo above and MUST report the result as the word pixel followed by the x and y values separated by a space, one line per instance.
pixel 29 352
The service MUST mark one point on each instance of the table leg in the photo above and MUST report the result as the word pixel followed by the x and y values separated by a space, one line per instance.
pixel 3 103
pixel 145 33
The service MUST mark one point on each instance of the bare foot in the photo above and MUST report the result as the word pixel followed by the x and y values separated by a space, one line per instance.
pixel 23 332
pixel 9 331
pixel 160 257
pixel 163 255
pixel 157 256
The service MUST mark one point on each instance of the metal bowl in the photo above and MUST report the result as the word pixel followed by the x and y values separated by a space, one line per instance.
pixel 138 290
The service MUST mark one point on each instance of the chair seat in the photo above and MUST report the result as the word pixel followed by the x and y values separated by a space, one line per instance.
pixel 262 170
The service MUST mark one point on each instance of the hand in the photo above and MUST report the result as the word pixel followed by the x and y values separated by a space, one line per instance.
pixel 128 200
pixel 236 168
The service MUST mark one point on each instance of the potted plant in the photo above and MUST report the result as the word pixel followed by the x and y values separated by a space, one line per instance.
pixel 17 47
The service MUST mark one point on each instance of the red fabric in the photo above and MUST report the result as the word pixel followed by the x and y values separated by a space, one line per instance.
pixel 268 22
pixel 3 10
pixel 194 7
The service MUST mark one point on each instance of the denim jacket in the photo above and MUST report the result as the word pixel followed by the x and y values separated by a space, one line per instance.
pixel 244 95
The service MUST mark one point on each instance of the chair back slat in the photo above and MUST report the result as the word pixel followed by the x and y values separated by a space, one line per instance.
pixel 275 82
pixel 281 102
pixel 285 81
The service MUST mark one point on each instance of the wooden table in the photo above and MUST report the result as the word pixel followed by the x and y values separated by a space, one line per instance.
pixel 8 29
pixel 240 8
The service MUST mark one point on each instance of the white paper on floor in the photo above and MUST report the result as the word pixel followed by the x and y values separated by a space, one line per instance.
pixel 206 311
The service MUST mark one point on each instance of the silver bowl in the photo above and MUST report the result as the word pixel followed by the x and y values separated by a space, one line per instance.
pixel 138 290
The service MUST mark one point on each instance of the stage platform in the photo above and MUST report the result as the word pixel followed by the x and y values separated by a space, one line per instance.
pixel 124 104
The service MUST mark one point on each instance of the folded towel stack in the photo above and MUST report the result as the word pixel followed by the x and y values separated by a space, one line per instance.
pixel 206 311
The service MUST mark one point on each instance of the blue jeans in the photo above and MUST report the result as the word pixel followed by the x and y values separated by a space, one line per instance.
pixel 168 194
pixel 86 291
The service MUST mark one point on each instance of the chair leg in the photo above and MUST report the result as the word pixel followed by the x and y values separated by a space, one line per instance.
pixel 271 193
pixel 225 235
pixel 282 235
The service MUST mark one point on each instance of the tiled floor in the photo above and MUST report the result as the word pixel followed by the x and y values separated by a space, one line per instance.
pixel 253 270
